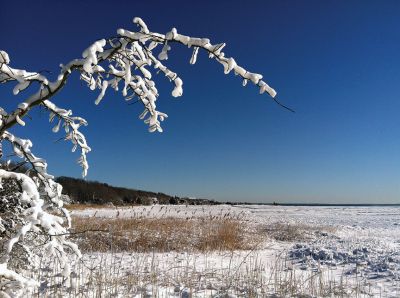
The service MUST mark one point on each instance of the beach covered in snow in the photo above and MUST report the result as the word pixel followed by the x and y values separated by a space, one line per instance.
pixel 317 251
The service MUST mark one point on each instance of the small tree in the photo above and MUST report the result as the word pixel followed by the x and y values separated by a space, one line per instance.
pixel 27 227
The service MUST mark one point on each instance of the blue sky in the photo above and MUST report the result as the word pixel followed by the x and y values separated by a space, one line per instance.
pixel 335 62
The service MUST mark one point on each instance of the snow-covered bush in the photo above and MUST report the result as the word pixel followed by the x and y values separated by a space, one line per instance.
pixel 33 220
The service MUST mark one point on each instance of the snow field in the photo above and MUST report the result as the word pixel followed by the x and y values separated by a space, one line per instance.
pixel 310 251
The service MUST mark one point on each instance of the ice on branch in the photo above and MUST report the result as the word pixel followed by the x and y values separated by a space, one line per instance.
pixel 141 24
pixel 71 125
pixel 194 55
pixel 90 55
pixel 4 57
pixel 104 86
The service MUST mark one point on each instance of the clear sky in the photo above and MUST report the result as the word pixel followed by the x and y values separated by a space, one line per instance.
pixel 337 63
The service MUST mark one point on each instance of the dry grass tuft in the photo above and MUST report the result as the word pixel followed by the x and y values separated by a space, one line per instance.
pixel 293 232
pixel 286 232
pixel 72 207
pixel 160 235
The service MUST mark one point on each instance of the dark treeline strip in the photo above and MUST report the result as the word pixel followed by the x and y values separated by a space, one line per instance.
pixel 94 192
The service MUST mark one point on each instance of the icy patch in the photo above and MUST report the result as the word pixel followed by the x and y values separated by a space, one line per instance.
pixel 370 263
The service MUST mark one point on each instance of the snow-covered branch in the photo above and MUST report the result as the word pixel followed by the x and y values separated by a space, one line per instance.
pixel 34 219
pixel 128 52
pixel 42 213
pixel 71 126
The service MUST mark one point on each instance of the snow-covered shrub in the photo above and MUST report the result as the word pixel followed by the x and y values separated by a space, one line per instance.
pixel 32 206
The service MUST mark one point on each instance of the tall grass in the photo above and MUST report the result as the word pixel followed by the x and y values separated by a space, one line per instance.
pixel 160 235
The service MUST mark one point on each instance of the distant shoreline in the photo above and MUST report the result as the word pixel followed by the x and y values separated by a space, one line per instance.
pixel 317 204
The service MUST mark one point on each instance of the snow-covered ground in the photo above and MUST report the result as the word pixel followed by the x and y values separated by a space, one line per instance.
pixel 343 251
pixel 362 241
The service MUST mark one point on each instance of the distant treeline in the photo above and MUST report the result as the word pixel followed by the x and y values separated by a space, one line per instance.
pixel 94 192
